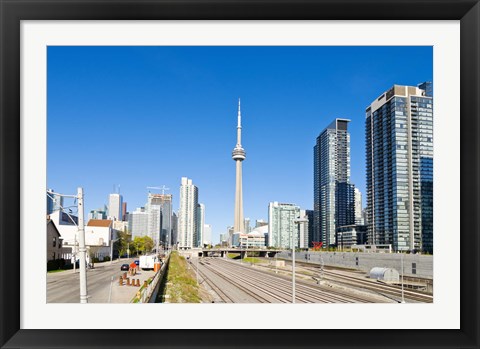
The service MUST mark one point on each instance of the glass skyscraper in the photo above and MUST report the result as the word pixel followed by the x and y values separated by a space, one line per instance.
pixel 399 154
pixel 334 195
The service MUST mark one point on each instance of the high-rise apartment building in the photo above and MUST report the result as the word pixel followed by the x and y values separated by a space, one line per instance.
pixel 334 196
pixel 200 224
pixel 399 153
pixel 187 215
pixel 281 224
pixel 115 207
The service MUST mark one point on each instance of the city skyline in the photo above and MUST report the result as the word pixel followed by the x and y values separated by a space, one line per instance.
pixel 174 116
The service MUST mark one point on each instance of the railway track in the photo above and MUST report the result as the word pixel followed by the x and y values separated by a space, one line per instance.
pixel 222 295
pixel 267 288
pixel 316 293
pixel 389 291
pixel 236 283
pixel 385 289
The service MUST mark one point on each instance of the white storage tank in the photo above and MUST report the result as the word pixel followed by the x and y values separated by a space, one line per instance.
pixel 385 274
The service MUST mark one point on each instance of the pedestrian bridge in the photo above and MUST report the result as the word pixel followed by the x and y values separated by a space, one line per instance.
pixel 222 252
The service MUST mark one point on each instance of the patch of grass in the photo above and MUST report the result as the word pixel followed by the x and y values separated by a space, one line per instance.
pixel 233 255
pixel 55 271
pixel 181 283
pixel 253 260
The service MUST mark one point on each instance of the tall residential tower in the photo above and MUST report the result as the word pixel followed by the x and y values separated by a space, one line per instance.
pixel 334 195
pixel 187 215
pixel 238 155
pixel 399 153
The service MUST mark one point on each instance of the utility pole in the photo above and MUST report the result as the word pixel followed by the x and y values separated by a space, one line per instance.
pixel 81 234
pixel 82 248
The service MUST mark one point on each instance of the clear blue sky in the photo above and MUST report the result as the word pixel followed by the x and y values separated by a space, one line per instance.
pixel 147 116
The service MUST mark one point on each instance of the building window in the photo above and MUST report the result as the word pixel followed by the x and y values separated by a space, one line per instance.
pixel 414 268
pixel 54 240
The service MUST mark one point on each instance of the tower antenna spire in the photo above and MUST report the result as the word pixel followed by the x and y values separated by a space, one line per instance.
pixel 239 115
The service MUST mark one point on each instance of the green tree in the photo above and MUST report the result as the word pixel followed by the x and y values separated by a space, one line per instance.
pixel 142 244
pixel 123 243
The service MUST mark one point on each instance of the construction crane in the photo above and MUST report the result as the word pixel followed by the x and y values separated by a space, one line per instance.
pixel 162 188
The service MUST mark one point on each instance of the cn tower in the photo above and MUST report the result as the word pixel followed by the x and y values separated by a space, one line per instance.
pixel 238 155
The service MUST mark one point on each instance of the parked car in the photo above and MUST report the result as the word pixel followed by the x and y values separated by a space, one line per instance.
pixel 125 267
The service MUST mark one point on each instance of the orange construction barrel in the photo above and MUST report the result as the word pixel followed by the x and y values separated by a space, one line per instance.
pixel 156 266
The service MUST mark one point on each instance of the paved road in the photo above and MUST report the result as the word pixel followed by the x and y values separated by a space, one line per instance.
pixel 64 287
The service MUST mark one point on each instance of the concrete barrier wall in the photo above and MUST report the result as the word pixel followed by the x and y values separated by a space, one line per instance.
pixel 161 273
pixel 366 261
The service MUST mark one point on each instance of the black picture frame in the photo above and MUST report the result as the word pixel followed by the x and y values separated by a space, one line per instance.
pixel 13 11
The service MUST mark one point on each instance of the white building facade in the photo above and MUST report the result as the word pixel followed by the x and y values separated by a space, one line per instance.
pixel 281 225
pixel 187 215
pixel 115 202
pixel 358 207
pixel 99 234
pixel 207 234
